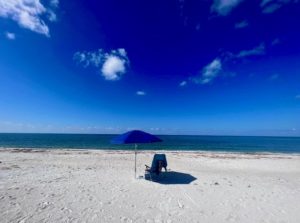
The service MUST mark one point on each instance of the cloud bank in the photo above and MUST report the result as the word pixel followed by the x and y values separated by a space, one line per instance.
pixel 112 65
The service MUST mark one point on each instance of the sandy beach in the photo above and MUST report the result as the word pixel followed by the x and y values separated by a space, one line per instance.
pixel 99 186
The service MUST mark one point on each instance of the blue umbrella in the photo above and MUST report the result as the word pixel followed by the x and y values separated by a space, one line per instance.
pixel 135 137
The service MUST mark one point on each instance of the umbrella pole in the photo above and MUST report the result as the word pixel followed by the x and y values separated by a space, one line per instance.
pixel 135 147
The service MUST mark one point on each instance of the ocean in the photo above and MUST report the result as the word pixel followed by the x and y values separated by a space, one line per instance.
pixel 170 142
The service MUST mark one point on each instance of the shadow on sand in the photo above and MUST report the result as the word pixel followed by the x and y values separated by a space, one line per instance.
pixel 173 177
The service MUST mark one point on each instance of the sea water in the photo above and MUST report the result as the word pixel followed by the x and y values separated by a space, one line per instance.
pixel 170 142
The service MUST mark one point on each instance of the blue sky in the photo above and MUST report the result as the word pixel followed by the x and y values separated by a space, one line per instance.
pixel 224 67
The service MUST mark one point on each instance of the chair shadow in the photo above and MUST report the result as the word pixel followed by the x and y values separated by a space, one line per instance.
pixel 173 177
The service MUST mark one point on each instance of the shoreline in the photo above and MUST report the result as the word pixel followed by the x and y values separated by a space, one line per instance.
pixel 218 152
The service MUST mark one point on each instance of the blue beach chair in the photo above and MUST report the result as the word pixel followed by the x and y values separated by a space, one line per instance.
pixel 159 161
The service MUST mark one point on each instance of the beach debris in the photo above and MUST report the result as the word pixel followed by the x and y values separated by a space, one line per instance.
pixel 125 219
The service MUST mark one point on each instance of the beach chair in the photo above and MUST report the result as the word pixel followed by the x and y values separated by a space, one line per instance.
pixel 159 161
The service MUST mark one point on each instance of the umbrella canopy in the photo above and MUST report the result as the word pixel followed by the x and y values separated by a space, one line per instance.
pixel 135 137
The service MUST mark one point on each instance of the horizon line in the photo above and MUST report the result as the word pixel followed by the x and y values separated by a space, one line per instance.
pixel 166 134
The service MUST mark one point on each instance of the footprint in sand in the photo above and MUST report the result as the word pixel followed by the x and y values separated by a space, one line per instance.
pixel 44 205
pixel 232 218
pixel 66 210
pixel 125 219
pixel 109 202
pixel 12 197
pixel 180 205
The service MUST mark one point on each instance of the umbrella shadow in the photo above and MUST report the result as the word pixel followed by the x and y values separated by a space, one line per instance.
pixel 173 177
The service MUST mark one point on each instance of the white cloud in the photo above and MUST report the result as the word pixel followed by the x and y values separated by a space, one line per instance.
pixel 241 24
pixel 259 50
pixel 121 51
pixel 27 13
pixel 224 7
pixel 274 77
pixel 270 6
pixel 54 3
pixel 216 67
pixel 275 42
pixel 210 72
pixel 52 16
pixel 141 93
pixel 10 36
pixel 112 65
pixel 155 129
pixel 182 83
pixel 86 59
pixel 113 68
pixel 181 6
pixel 265 2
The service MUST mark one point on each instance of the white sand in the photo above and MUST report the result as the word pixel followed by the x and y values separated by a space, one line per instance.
pixel 98 186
